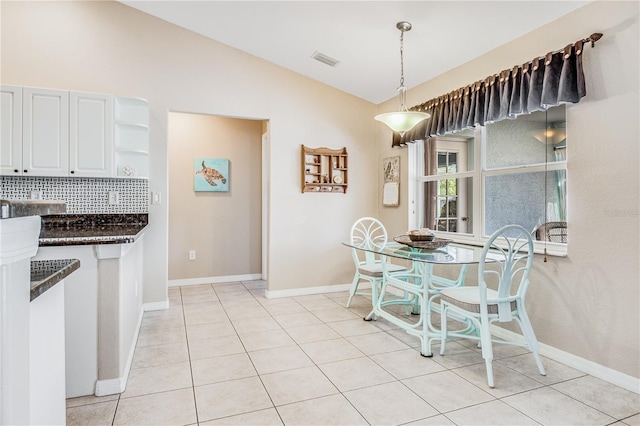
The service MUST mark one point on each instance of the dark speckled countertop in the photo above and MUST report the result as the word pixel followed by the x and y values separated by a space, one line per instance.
pixel 47 273
pixel 91 229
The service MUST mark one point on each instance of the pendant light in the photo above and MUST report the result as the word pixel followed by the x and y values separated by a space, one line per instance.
pixel 403 120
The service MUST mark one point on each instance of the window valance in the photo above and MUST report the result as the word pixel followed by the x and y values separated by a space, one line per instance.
pixel 546 81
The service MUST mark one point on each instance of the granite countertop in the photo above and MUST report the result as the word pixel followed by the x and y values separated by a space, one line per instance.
pixel 47 273
pixel 91 229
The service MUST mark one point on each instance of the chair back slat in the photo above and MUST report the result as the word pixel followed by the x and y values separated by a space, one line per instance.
pixel 368 233
pixel 509 252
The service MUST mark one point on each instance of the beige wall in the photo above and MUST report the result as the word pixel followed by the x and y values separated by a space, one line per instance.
pixel 587 303
pixel 107 47
pixel 224 228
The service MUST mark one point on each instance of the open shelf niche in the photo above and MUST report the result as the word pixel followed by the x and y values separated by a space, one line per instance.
pixel 325 170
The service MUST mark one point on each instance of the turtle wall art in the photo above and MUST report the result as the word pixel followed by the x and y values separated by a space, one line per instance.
pixel 211 174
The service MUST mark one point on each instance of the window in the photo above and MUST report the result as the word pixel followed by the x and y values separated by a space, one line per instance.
pixel 471 183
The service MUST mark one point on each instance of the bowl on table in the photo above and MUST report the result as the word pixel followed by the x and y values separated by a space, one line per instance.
pixel 424 234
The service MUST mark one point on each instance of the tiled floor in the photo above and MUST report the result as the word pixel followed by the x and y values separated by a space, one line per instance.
pixel 224 354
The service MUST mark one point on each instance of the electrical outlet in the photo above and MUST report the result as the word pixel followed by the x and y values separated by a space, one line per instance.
pixel 36 195
pixel 192 255
pixel 114 197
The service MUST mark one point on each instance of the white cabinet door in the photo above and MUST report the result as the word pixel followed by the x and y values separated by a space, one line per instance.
pixel 10 130
pixel 45 132
pixel 90 135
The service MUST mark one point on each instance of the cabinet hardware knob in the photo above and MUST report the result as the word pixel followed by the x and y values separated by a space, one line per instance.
pixel 16 170
pixel 72 172
pixel 25 170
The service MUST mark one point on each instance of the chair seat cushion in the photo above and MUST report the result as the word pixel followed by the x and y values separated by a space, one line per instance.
pixel 468 298
pixel 375 270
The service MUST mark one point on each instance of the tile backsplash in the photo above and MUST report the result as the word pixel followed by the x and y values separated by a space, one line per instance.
pixel 82 195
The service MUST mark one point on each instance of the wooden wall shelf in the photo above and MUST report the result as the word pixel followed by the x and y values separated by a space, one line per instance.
pixel 325 170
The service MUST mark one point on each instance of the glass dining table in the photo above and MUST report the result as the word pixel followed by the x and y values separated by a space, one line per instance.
pixel 420 287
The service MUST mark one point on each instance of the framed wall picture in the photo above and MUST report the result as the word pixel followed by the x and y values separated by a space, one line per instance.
pixel 391 190
pixel 211 175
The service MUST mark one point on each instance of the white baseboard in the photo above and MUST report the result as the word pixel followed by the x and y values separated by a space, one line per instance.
pixel 118 385
pixel 110 386
pixel 607 374
pixel 156 306
pixel 215 280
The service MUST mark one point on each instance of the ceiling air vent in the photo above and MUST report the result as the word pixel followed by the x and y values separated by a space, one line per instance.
pixel 321 57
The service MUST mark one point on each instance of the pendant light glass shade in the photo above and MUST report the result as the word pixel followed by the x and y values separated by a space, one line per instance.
pixel 403 120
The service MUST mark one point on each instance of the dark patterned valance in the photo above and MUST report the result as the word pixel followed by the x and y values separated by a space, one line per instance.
pixel 544 82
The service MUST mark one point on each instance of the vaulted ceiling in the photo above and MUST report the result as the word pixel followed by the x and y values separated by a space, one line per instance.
pixel 362 35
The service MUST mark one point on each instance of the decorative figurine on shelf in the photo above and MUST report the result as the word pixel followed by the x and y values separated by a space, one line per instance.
pixel 325 179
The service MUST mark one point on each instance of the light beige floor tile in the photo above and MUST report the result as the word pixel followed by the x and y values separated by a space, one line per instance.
pixel 490 413
pixel 376 343
pixel 340 295
pixel 246 304
pixel 355 373
pixel 172 310
pixel 231 398
pixel 202 313
pixel 253 325
pixel 217 346
pixel 438 420
pixel 160 322
pixel 309 297
pixel 196 289
pixel 353 327
pixel 330 351
pixel 550 407
pixel 266 340
pixel 453 392
pixel 383 325
pixel 556 372
pixel 335 314
pixel 268 417
pixel 175 301
pixel 275 301
pixel 499 350
pixel 235 295
pixel 221 369
pixel 407 363
pixel 174 291
pixel 89 399
pixel 244 312
pixel 251 285
pixel 632 420
pixel 160 336
pixel 456 355
pixel 279 359
pixel 312 333
pixel 161 378
pixel 93 414
pixel 390 403
pixel 229 287
pixel 404 337
pixel 165 408
pixel 259 293
pixel 610 399
pixel 210 330
pixel 291 307
pixel 297 320
pixel 301 384
pixel 328 410
pixel 319 304
pixel 507 381
pixel 199 298
pixel 148 356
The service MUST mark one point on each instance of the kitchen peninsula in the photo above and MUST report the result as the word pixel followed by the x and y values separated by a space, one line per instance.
pixel 103 299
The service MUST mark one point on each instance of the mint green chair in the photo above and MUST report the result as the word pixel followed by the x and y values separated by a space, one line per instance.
pixel 505 266
pixel 368 232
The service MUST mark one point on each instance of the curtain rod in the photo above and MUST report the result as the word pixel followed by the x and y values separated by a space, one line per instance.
pixel 476 85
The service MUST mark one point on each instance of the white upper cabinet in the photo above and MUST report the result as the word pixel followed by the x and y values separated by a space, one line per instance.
pixel 45 132
pixel 90 135
pixel 10 130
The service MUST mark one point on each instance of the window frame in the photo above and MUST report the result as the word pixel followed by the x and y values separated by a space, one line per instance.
pixel 478 176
